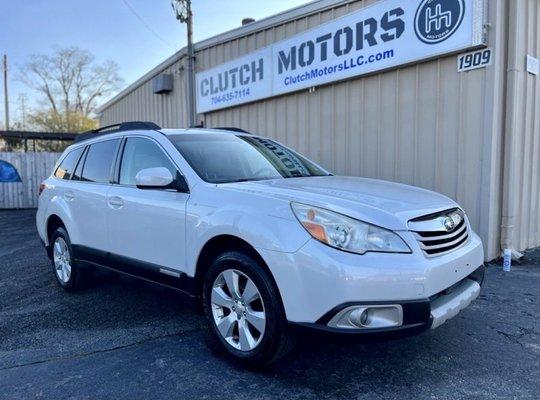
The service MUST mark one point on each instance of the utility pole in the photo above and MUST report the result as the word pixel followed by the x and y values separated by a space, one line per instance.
pixel 22 101
pixel 182 9
pixel 6 99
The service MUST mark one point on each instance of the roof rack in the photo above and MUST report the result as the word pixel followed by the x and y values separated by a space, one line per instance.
pixel 232 129
pixel 124 126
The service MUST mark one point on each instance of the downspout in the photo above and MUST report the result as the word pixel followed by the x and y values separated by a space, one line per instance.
pixel 508 220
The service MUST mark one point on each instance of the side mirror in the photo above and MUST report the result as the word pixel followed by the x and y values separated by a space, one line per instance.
pixel 153 178
pixel 160 178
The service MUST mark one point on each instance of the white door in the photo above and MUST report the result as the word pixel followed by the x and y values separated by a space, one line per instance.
pixel 88 200
pixel 146 225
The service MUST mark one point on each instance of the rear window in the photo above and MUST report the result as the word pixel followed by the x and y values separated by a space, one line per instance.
pixel 99 160
pixel 66 167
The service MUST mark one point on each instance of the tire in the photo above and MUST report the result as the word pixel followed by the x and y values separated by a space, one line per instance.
pixel 263 348
pixel 69 274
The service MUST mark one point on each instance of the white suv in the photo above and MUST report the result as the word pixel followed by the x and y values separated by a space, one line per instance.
pixel 270 242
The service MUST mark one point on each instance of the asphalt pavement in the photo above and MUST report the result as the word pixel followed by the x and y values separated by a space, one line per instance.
pixel 124 339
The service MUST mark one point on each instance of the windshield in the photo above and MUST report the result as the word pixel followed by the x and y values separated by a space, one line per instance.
pixel 224 158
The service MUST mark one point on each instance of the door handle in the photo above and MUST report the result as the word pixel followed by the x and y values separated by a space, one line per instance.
pixel 69 196
pixel 116 202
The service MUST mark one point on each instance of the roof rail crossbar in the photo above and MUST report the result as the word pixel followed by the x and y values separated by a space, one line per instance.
pixel 232 129
pixel 124 126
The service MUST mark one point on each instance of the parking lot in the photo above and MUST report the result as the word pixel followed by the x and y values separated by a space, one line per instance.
pixel 125 339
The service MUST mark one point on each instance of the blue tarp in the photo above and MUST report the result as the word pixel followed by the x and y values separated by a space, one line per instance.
pixel 8 173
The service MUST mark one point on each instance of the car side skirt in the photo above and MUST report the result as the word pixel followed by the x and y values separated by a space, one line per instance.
pixel 139 269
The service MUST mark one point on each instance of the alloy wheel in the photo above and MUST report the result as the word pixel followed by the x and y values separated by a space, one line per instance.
pixel 238 310
pixel 62 260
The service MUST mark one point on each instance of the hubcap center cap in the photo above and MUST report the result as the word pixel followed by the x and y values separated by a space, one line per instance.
pixel 240 309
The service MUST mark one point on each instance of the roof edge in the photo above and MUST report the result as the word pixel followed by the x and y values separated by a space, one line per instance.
pixel 259 25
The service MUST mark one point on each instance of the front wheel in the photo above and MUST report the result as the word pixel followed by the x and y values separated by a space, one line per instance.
pixel 244 310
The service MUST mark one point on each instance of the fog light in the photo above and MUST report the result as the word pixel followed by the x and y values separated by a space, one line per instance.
pixel 368 317
pixel 359 317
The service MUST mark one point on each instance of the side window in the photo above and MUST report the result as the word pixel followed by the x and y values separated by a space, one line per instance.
pixel 78 169
pixel 140 153
pixel 99 159
pixel 66 167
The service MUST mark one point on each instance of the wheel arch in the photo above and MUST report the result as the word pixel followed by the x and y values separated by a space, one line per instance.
pixel 220 244
pixel 53 222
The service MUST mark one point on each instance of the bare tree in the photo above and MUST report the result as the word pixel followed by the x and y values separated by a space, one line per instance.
pixel 71 83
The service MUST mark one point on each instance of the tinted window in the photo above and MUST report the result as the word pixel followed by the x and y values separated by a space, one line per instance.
pixel 66 167
pixel 220 158
pixel 99 159
pixel 139 154
pixel 78 169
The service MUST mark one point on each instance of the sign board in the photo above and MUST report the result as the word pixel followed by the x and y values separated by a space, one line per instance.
pixel 533 65
pixel 385 35
pixel 475 59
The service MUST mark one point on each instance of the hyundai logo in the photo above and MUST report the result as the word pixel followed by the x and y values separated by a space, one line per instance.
pixel 437 20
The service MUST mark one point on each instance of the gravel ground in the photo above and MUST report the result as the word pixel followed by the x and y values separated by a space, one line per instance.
pixel 124 339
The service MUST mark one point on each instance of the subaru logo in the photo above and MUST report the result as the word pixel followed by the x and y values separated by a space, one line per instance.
pixel 437 20
pixel 449 224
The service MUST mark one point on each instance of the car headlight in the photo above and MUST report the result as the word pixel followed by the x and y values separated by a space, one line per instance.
pixel 347 234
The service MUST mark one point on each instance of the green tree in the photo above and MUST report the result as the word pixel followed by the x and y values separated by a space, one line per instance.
pixel 72 121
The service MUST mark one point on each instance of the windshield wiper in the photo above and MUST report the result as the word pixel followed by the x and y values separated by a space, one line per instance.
pixel 250 180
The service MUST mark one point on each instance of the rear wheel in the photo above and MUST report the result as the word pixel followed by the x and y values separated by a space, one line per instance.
pixel 69 274
pixel 244 310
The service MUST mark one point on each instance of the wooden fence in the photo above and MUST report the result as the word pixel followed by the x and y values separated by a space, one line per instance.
pixel 32 168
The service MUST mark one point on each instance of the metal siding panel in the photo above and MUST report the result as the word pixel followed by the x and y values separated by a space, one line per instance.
pixel 355 122
pixel 471 144
pixel 371 128
pixel 407 117
pixel 418 125
pixel 387 125
pixel 426 125
pixel 33 169
pixel 523 123
pixel 314 128
pixel 448 131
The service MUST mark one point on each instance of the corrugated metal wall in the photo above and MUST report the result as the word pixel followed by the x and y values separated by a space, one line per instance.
pixel 167 110
pixel 425 124
pixel 170 110
pixel 522 162
pixel 421 125
pixel 33 168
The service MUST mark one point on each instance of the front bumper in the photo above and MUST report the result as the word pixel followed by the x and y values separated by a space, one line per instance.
pixel 418 315
pixel 317 279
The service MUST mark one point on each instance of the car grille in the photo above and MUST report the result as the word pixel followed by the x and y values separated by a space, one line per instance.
pixel 437 235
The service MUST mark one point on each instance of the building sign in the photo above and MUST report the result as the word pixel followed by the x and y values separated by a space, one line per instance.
pixel 385 35
pixel 475 59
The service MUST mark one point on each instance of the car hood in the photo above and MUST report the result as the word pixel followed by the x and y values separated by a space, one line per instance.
pixel 387 204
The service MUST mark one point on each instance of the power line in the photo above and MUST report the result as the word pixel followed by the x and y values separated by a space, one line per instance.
pixel 148 27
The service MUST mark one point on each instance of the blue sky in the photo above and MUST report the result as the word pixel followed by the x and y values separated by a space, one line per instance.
pixel 109 30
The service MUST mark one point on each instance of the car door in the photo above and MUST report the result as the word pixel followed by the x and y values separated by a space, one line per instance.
pixel 64 187
pixel 87 194
pixel 146 227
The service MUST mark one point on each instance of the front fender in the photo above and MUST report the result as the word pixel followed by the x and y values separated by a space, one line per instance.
pixel 262 231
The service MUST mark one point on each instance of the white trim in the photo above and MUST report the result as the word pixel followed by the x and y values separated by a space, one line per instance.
pixel 274 20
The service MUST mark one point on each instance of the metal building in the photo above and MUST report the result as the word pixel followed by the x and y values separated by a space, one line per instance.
pixel 439 112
